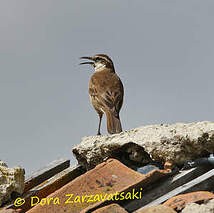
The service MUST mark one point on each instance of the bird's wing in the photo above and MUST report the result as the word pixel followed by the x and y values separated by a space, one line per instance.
pixel 107 97
pixel 113 100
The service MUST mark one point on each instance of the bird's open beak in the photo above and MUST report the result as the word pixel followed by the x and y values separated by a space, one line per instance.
pixel 88 62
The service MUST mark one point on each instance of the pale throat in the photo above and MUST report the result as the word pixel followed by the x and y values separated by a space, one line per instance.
pixel 99 66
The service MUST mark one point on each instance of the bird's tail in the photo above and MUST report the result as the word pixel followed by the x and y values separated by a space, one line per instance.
pixel 113 123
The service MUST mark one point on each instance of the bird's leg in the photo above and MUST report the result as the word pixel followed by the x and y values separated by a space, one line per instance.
pixel 100 119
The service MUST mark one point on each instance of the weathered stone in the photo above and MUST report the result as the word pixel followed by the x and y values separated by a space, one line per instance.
pixel 175 143
pixel 156 209
pixel 11 181
pixel 180 201
pixel 196 208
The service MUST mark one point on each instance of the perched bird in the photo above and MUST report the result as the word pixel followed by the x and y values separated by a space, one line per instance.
pixel 106 91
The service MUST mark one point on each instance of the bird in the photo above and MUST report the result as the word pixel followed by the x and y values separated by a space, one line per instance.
pixel 106 91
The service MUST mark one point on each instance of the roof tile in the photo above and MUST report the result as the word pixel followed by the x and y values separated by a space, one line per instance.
pixel 156 209
pixel 113 208
pixel 180 201
pixel 11 211
pixel 95 186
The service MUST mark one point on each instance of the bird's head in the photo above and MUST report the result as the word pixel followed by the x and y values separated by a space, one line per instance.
pixel 99 62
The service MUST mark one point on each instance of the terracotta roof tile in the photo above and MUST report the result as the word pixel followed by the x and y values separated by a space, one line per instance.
pixel 168 165
pixel 95 186
pixel 113 208
pixel 11 211
pixel 156 209
pixel 180 201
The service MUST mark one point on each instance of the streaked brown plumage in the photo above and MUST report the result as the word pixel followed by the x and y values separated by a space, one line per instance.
pixel 106 92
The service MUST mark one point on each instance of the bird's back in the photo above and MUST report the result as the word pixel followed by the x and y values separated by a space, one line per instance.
pixel 108 85
pixel 106 81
